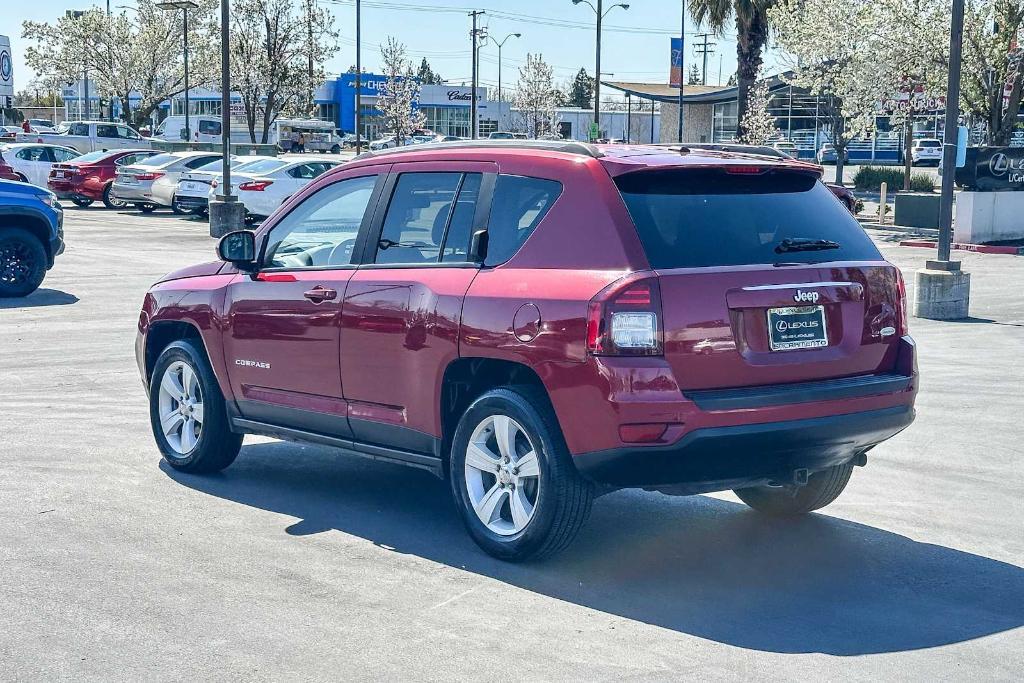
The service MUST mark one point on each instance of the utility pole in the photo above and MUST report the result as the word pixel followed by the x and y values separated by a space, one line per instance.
pixel 682 67
pixel 226 212
pixel 950 134
pixel 310 6
pixel 473 36
pixel 359 78
pixel 704 48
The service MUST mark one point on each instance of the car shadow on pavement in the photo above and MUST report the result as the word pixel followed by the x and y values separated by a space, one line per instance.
pixel 40 297
pixel 697 565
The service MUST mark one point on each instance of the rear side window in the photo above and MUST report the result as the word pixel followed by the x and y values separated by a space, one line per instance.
pixel 519 204
pixel 209 127
pixel 698 218
pixel 106 131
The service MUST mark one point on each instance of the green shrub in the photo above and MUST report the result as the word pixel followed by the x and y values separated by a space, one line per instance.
pixel 921 182
pixel 871 178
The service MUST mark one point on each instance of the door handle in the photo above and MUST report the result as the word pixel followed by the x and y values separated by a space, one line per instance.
pixel 319 294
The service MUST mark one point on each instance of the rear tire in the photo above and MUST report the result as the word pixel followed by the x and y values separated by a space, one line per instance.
pixel 81 201
pixel 782 501
pixel 109 201
pixel 177 209
pixel 552 501
pixel 188 414
pixel 22 262
pixel 146 208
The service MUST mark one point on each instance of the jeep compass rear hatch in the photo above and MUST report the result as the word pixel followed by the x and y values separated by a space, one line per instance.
pixel 765 277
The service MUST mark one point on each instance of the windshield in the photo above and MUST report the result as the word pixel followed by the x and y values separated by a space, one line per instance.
pixel 707 217
pixel 264 166
pixel 93 156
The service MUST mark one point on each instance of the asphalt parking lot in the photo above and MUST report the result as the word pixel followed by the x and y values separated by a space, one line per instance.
pixel 299 564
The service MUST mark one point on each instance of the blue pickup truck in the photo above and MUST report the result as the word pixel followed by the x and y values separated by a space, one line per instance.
pixel 31 236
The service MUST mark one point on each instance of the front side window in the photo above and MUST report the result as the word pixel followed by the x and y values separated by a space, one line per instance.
pixel 417 217
pixel 519 205
pixel 322 230
pixel 79 129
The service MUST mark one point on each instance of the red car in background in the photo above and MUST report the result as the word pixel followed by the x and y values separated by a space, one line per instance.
pixel 87 178
pixel 7 171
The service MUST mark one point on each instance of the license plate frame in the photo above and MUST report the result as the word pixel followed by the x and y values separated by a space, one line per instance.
pixel 792 328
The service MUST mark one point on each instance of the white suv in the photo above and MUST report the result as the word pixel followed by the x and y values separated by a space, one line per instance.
pixel 926 151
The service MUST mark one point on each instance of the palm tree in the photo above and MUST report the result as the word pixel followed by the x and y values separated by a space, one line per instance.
pixel 751 18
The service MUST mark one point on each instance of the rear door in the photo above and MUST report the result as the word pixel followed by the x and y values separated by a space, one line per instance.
pixel 403 307
pixel 765 277
pixel 281 345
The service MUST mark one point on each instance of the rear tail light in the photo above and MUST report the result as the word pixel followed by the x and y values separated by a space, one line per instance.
pixel 148 176
pixel 901 293
pixel 256 185
pixel 745 170
pixel 625 318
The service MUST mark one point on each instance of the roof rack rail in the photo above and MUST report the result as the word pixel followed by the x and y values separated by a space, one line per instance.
pixel 568 147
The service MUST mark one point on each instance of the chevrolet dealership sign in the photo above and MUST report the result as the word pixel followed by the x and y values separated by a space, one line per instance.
pixel 6 68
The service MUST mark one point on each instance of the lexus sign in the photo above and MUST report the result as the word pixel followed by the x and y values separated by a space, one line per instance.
pixel 992 169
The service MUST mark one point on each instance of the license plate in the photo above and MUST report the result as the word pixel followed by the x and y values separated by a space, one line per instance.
pixel 191 186
pixel 797 327
pixel 60 174
pixel 126 180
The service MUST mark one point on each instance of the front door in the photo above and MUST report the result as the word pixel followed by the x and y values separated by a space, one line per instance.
pixel 282 342
pixel 403 307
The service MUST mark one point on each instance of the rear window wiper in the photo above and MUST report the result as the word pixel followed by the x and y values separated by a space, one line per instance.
pixel 804 244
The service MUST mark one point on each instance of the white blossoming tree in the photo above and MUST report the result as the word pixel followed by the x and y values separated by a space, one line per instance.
pixel 399 93
pixel 758 125
pixel 536 98
pixel 129 54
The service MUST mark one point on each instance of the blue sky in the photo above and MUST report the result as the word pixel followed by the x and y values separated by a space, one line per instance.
pixel 635 42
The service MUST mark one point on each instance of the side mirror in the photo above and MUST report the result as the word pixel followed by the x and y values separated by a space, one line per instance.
pixel 478 246
pixel 239 249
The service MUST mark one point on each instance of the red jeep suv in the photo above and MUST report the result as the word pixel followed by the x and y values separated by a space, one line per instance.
pixel 541 322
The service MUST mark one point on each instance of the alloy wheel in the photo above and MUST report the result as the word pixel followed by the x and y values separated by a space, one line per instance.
pixel 502 475
pixel 181 407
pixel 16 263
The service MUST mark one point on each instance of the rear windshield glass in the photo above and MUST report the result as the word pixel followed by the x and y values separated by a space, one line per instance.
pixel 697 218
pixel 93 156
pixel 157 160
pixel 264 166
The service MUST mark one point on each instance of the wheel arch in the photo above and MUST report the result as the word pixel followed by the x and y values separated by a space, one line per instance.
pixel 34 224
pixel 465 379
pixel 163 333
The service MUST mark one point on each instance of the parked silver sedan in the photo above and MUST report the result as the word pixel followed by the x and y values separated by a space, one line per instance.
pixel 153 182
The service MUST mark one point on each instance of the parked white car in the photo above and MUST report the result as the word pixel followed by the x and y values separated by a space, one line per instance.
pixel 89 136
pixel 266 185
pixel 193 192
pixel 32 161
pixel 926 151
pixel 153 182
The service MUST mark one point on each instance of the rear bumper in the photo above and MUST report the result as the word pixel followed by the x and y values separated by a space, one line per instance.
pixel 722 458
pixel 192 203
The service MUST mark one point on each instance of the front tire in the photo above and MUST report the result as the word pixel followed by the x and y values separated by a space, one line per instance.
pixel 513 479
pixel 188 413
pixel 783 501
pixel 22 262
pixel 81 201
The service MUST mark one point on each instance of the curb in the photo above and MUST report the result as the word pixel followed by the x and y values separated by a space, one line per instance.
pixel 927 232
pixel 960 246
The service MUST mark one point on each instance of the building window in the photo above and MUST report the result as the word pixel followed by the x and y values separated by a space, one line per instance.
pixel 195 107
pixel 724 118
pixel 486 127
pixel 447 120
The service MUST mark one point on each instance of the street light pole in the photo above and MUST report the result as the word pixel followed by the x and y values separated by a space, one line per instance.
pixel 682 71
pixel 226 212
pixel 473 35
pixel 500 45
pixel 184 6
pixel 950 134
pixel 601 13
pixel 359 77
